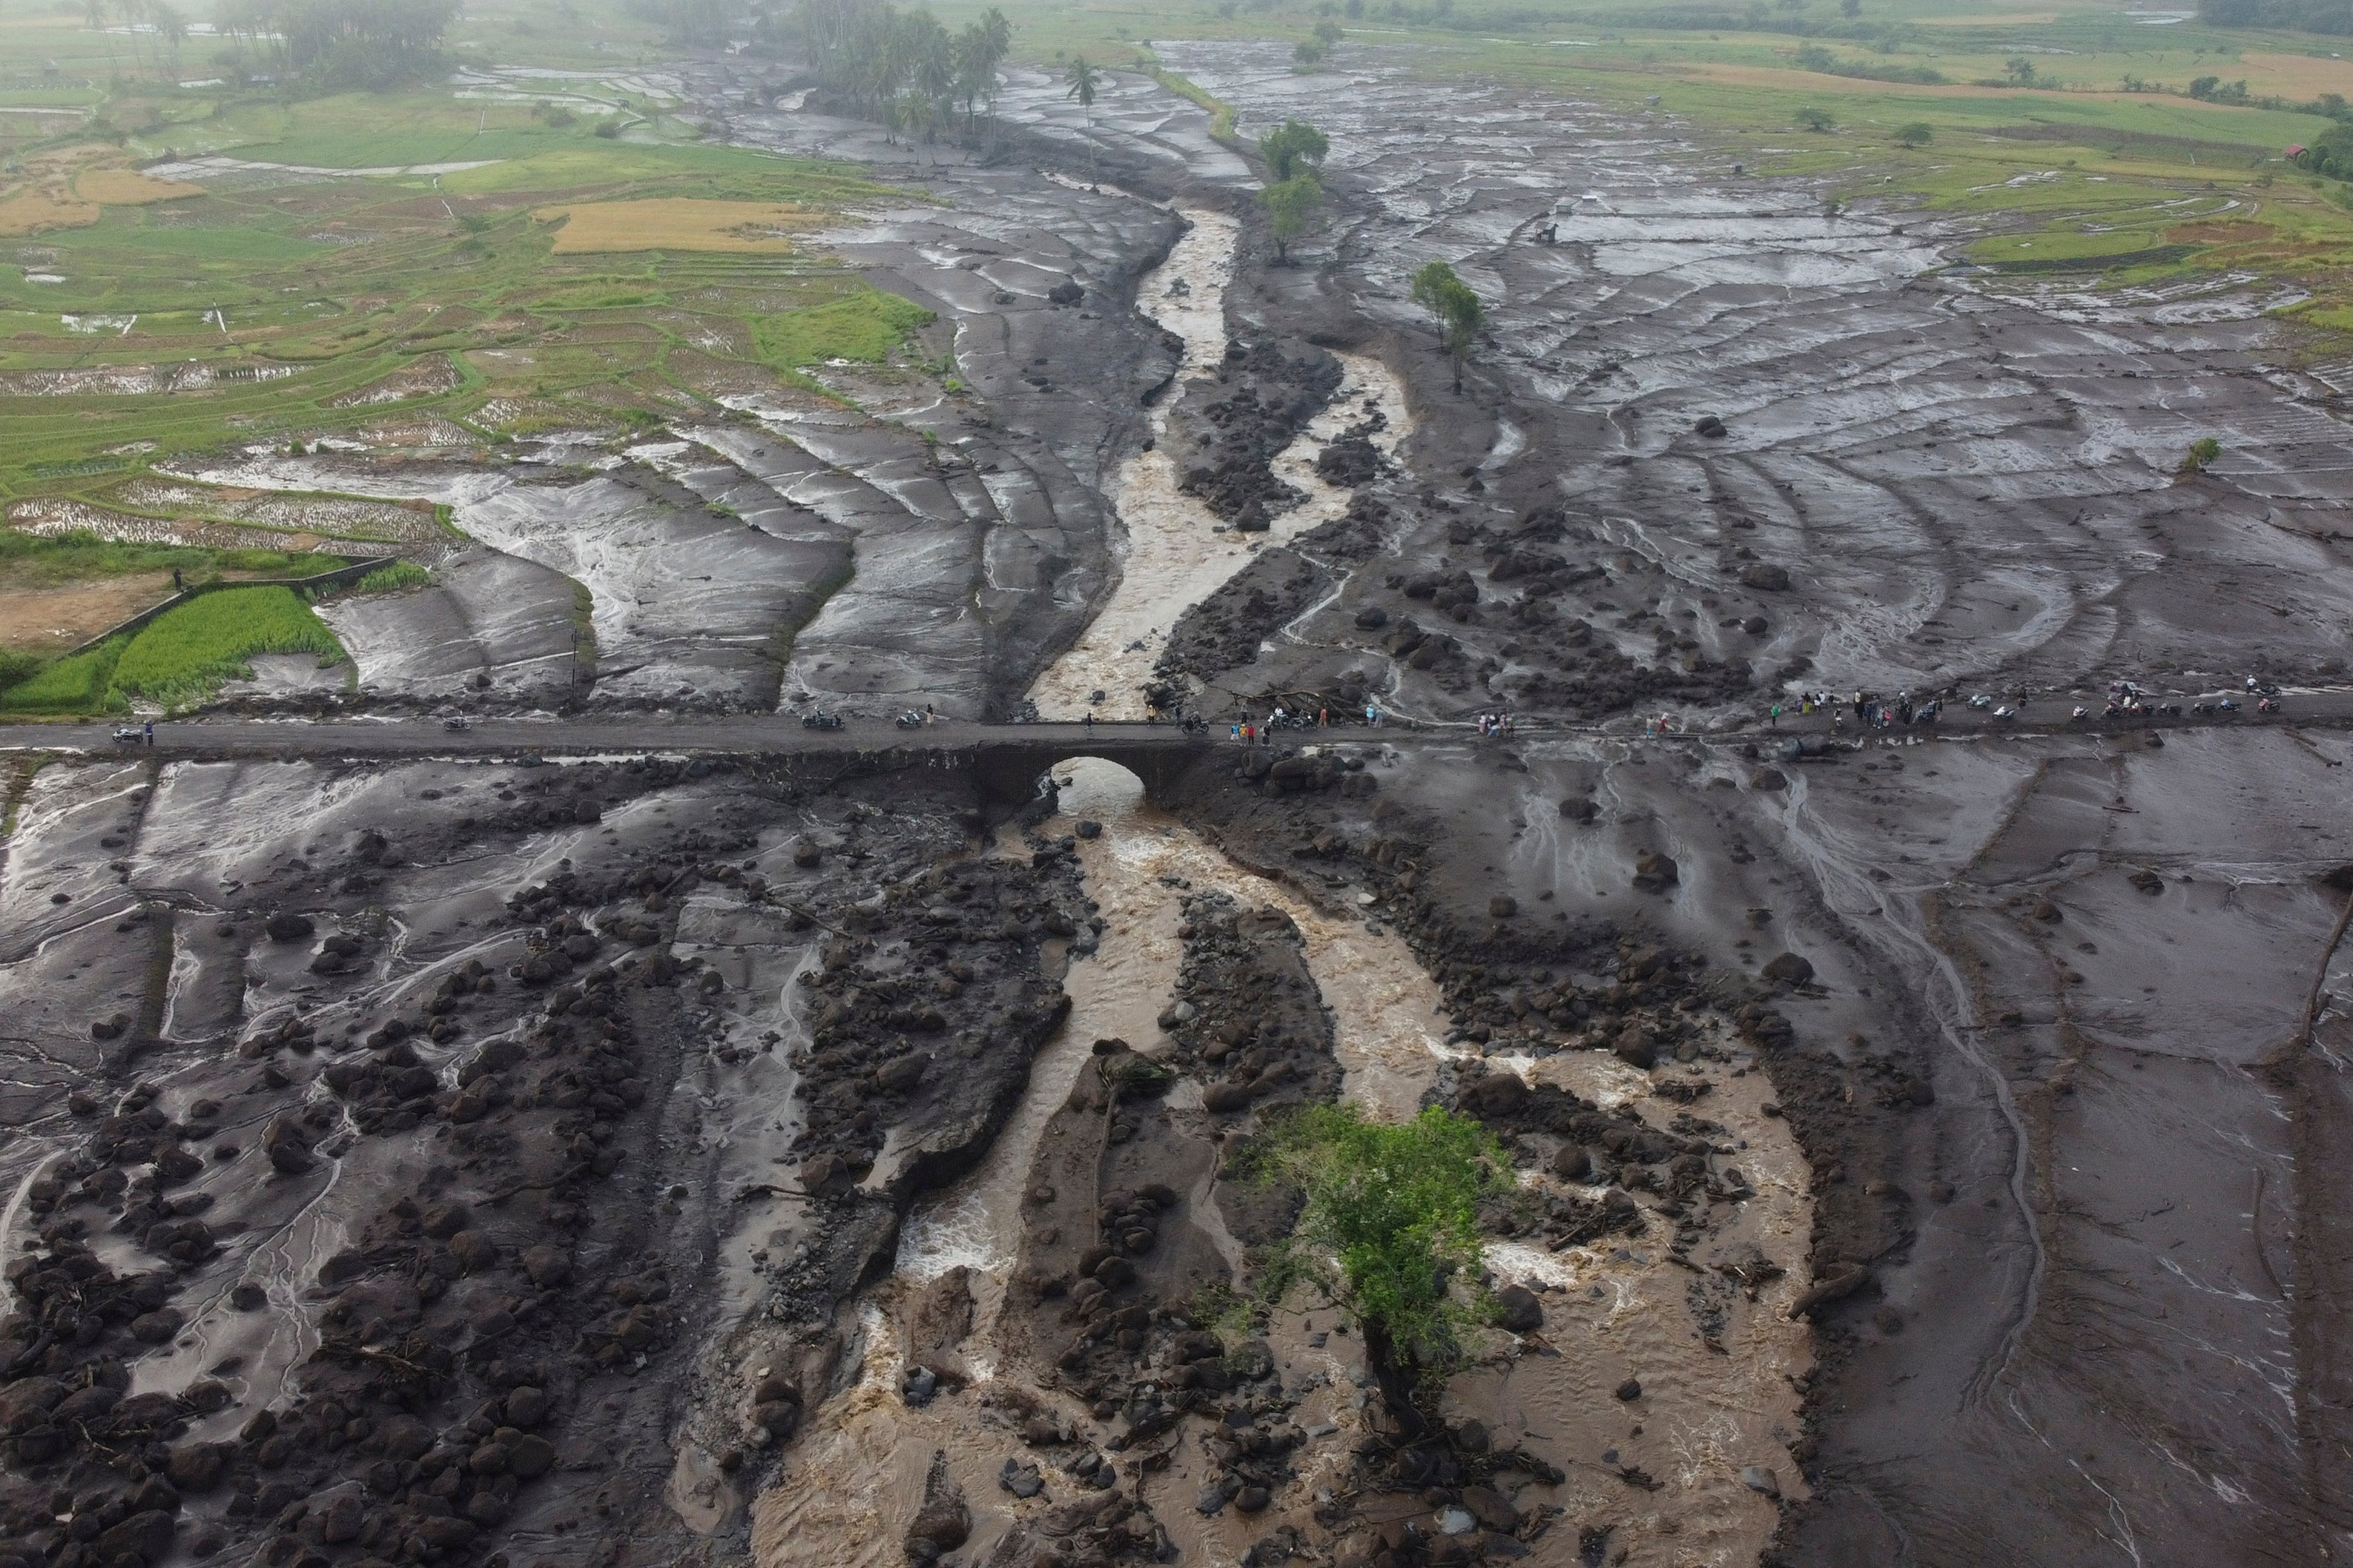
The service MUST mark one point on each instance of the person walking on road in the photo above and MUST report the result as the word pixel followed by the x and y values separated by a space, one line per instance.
pixel 151 731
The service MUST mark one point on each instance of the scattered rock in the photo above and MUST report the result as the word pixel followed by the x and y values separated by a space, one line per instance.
pixel 1518 1310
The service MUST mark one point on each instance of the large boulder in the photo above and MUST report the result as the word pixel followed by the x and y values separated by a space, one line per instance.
pixel 1518 1310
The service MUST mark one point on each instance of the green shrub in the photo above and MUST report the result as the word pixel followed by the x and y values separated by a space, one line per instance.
pixel 75 684
pixel 180 655
pixel 394 579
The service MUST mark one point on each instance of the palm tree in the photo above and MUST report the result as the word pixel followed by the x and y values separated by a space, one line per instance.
pixel 134 14
pixel 94 13
pixel 172 27
pixel 1084 79
pixel 980 49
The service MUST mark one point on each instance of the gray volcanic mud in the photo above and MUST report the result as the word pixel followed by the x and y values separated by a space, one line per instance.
pixel 1924 1149
pixel 1923 481
pixel 490 622
pixel 375 1171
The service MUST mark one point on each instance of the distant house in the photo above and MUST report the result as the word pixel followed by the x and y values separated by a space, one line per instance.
pixel 2296 151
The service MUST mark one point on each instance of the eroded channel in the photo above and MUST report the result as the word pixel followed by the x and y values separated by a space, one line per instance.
pixel 1173 552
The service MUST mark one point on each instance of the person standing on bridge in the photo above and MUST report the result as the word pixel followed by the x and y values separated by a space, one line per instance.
pixel 151 731
pixel 1088 719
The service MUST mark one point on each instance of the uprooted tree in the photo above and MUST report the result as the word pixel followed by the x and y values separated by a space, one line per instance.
pixel 1455 307
pixel 1390 1217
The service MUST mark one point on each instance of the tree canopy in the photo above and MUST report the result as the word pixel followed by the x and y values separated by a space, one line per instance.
pixel 1455 307
pixel 1292 146
pixel 1393 1207
pixel 338 44
pixel 905 67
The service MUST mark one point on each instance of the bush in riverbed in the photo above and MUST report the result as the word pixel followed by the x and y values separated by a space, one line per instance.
pixel 1391 1211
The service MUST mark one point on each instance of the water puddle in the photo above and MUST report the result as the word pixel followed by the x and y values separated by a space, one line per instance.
pixel 1175 553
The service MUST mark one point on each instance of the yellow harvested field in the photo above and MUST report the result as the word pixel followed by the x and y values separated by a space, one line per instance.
pixel 677 224
pixel 36 208
pixel 2294 75
pixel 1819 82
pixel 128 187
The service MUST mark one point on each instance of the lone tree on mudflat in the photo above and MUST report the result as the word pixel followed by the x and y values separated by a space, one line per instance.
pixel 2201 454
pixel 1391 1213
pixel 1293 148
pixel 1084 79
pixel 1290 205
pixel 1456 308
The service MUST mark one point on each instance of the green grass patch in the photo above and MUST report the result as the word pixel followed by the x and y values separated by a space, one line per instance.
pixel 1221 113
pixel 182 655
pixel 44 560
pixel 80 683
pixel 866 326
pixel 398 577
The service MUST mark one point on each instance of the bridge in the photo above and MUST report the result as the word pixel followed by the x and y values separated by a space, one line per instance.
pixel 1006 760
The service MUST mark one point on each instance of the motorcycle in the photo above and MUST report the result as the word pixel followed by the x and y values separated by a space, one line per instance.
pixel 129 735
pixel 457 722
pixel 910 720
pixel 2005 713
pixel 2268 705
pixel 819 718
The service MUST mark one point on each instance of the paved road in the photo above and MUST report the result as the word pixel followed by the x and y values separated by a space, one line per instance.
pixel 782 733
pixel 629 734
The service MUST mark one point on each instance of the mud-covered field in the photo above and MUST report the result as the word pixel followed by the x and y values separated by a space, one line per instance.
pixel 1921 1140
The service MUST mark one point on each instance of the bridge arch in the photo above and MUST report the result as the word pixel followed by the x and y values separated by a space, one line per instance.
pixel 1007 772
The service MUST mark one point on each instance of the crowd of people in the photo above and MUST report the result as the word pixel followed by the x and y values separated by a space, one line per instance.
pixel 1250 732
pixel 1871 711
